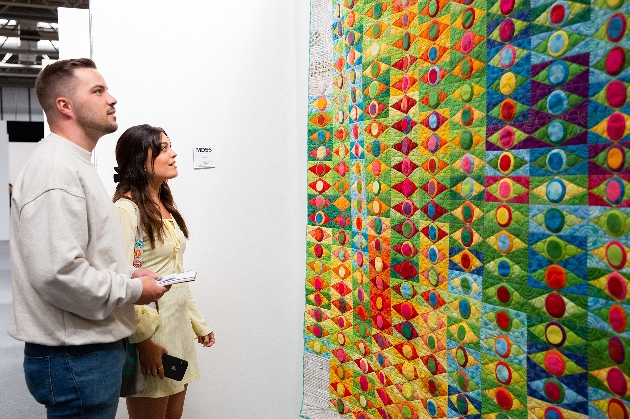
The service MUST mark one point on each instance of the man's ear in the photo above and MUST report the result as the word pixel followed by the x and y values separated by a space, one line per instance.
pixel 65 106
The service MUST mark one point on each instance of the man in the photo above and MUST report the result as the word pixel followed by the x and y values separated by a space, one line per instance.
pixel 72 291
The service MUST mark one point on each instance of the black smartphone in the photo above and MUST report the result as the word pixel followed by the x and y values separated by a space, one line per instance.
pixel 174 368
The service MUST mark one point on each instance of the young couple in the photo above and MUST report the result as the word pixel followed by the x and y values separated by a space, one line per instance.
pixel 76 296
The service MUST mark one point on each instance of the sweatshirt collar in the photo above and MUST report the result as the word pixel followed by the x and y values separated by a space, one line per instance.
pixel 72 147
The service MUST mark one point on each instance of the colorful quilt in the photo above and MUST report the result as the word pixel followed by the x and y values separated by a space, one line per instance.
pixel 468 210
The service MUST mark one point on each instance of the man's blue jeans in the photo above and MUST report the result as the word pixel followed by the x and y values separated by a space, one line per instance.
pixel 75 381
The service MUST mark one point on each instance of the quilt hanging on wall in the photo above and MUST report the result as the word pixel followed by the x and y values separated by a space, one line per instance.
pixel 468 243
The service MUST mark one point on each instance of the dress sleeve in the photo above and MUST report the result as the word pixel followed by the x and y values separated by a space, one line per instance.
pixel 200 327
pixel 148 318
pixel 129 226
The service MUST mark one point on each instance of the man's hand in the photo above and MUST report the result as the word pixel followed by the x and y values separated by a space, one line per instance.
pixel 150 356
pixel 138 273
pixel 151 291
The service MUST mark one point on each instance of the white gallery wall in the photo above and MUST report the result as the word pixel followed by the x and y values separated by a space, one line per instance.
pixel 231 76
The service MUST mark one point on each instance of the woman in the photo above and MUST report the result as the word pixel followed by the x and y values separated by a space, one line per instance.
pixel 146 162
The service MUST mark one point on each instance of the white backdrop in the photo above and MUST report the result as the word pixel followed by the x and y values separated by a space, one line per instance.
pixel 233 76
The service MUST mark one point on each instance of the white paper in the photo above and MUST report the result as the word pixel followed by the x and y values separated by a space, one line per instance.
pixel 203 157
pixel 177 278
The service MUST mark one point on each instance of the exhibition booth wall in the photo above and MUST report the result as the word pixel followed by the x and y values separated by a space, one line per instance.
pixel 231 77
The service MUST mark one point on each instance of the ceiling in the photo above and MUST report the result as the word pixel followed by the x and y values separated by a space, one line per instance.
pixel 28 33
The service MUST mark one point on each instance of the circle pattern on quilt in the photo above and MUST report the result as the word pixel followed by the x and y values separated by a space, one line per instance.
pixel 557 160
pixel 504 215
pixel 467 92
pixel 466 140
pixel 554 390
pixel 616 27
pixel 461 355
pixel 504 269
pixel 467 42
pixel 617 318
pixel 554 220
pixel 559 13
pixel 616 286
pixel 557 102
pixel 616 158
pixel 616 351
pixel 434 76
pixel 553 413
pixel 556 190
pixel 616 381
pixel 506 30
pixel 507 110
pixel 558 73
pixel 503 373
pixel 506 6
pixel 465 285
pixel 462 381
pixel 507 84
pixel 615 61
pixel 506 137
pixel 433 8
pixel 503 398
pixel 555 334
pixel 555 363
pixel 507 56
pixel 615 191
pixel 555 305
pixel 503 346
pixel 504 320
pixel 558 43
pixel 616 94
pixel 555 277
pixel 556 132
pixel 468 18
pixel 617 410
pixel 616 126
pixel 433 143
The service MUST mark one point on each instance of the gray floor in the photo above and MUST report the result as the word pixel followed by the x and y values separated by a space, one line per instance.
pixel 15 400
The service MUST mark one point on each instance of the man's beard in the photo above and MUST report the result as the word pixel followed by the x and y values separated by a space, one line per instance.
pixel 91 121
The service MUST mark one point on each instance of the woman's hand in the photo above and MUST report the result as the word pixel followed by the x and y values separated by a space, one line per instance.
pixel 207 340
pixel 150 356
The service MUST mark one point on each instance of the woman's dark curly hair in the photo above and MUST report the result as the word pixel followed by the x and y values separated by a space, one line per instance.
pixel 132 151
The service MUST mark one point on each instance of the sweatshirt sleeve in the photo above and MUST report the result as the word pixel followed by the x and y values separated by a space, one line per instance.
pixel 148 318
pixel 52 241
pixel 200 327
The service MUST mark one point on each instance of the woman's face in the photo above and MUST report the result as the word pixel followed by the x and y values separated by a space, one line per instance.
pixel 164 167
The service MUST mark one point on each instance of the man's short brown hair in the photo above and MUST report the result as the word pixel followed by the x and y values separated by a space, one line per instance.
pixel 55 80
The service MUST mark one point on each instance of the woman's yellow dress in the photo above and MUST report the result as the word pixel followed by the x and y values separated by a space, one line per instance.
pixel 178 323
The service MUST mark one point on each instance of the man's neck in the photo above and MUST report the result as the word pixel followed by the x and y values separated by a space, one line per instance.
pixel 75 135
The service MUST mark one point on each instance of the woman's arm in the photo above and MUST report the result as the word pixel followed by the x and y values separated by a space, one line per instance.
pixel 150 356
pixel 147 317
pixel 204 333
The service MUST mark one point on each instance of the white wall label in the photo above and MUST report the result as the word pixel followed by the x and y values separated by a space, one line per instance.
pixel 203 157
